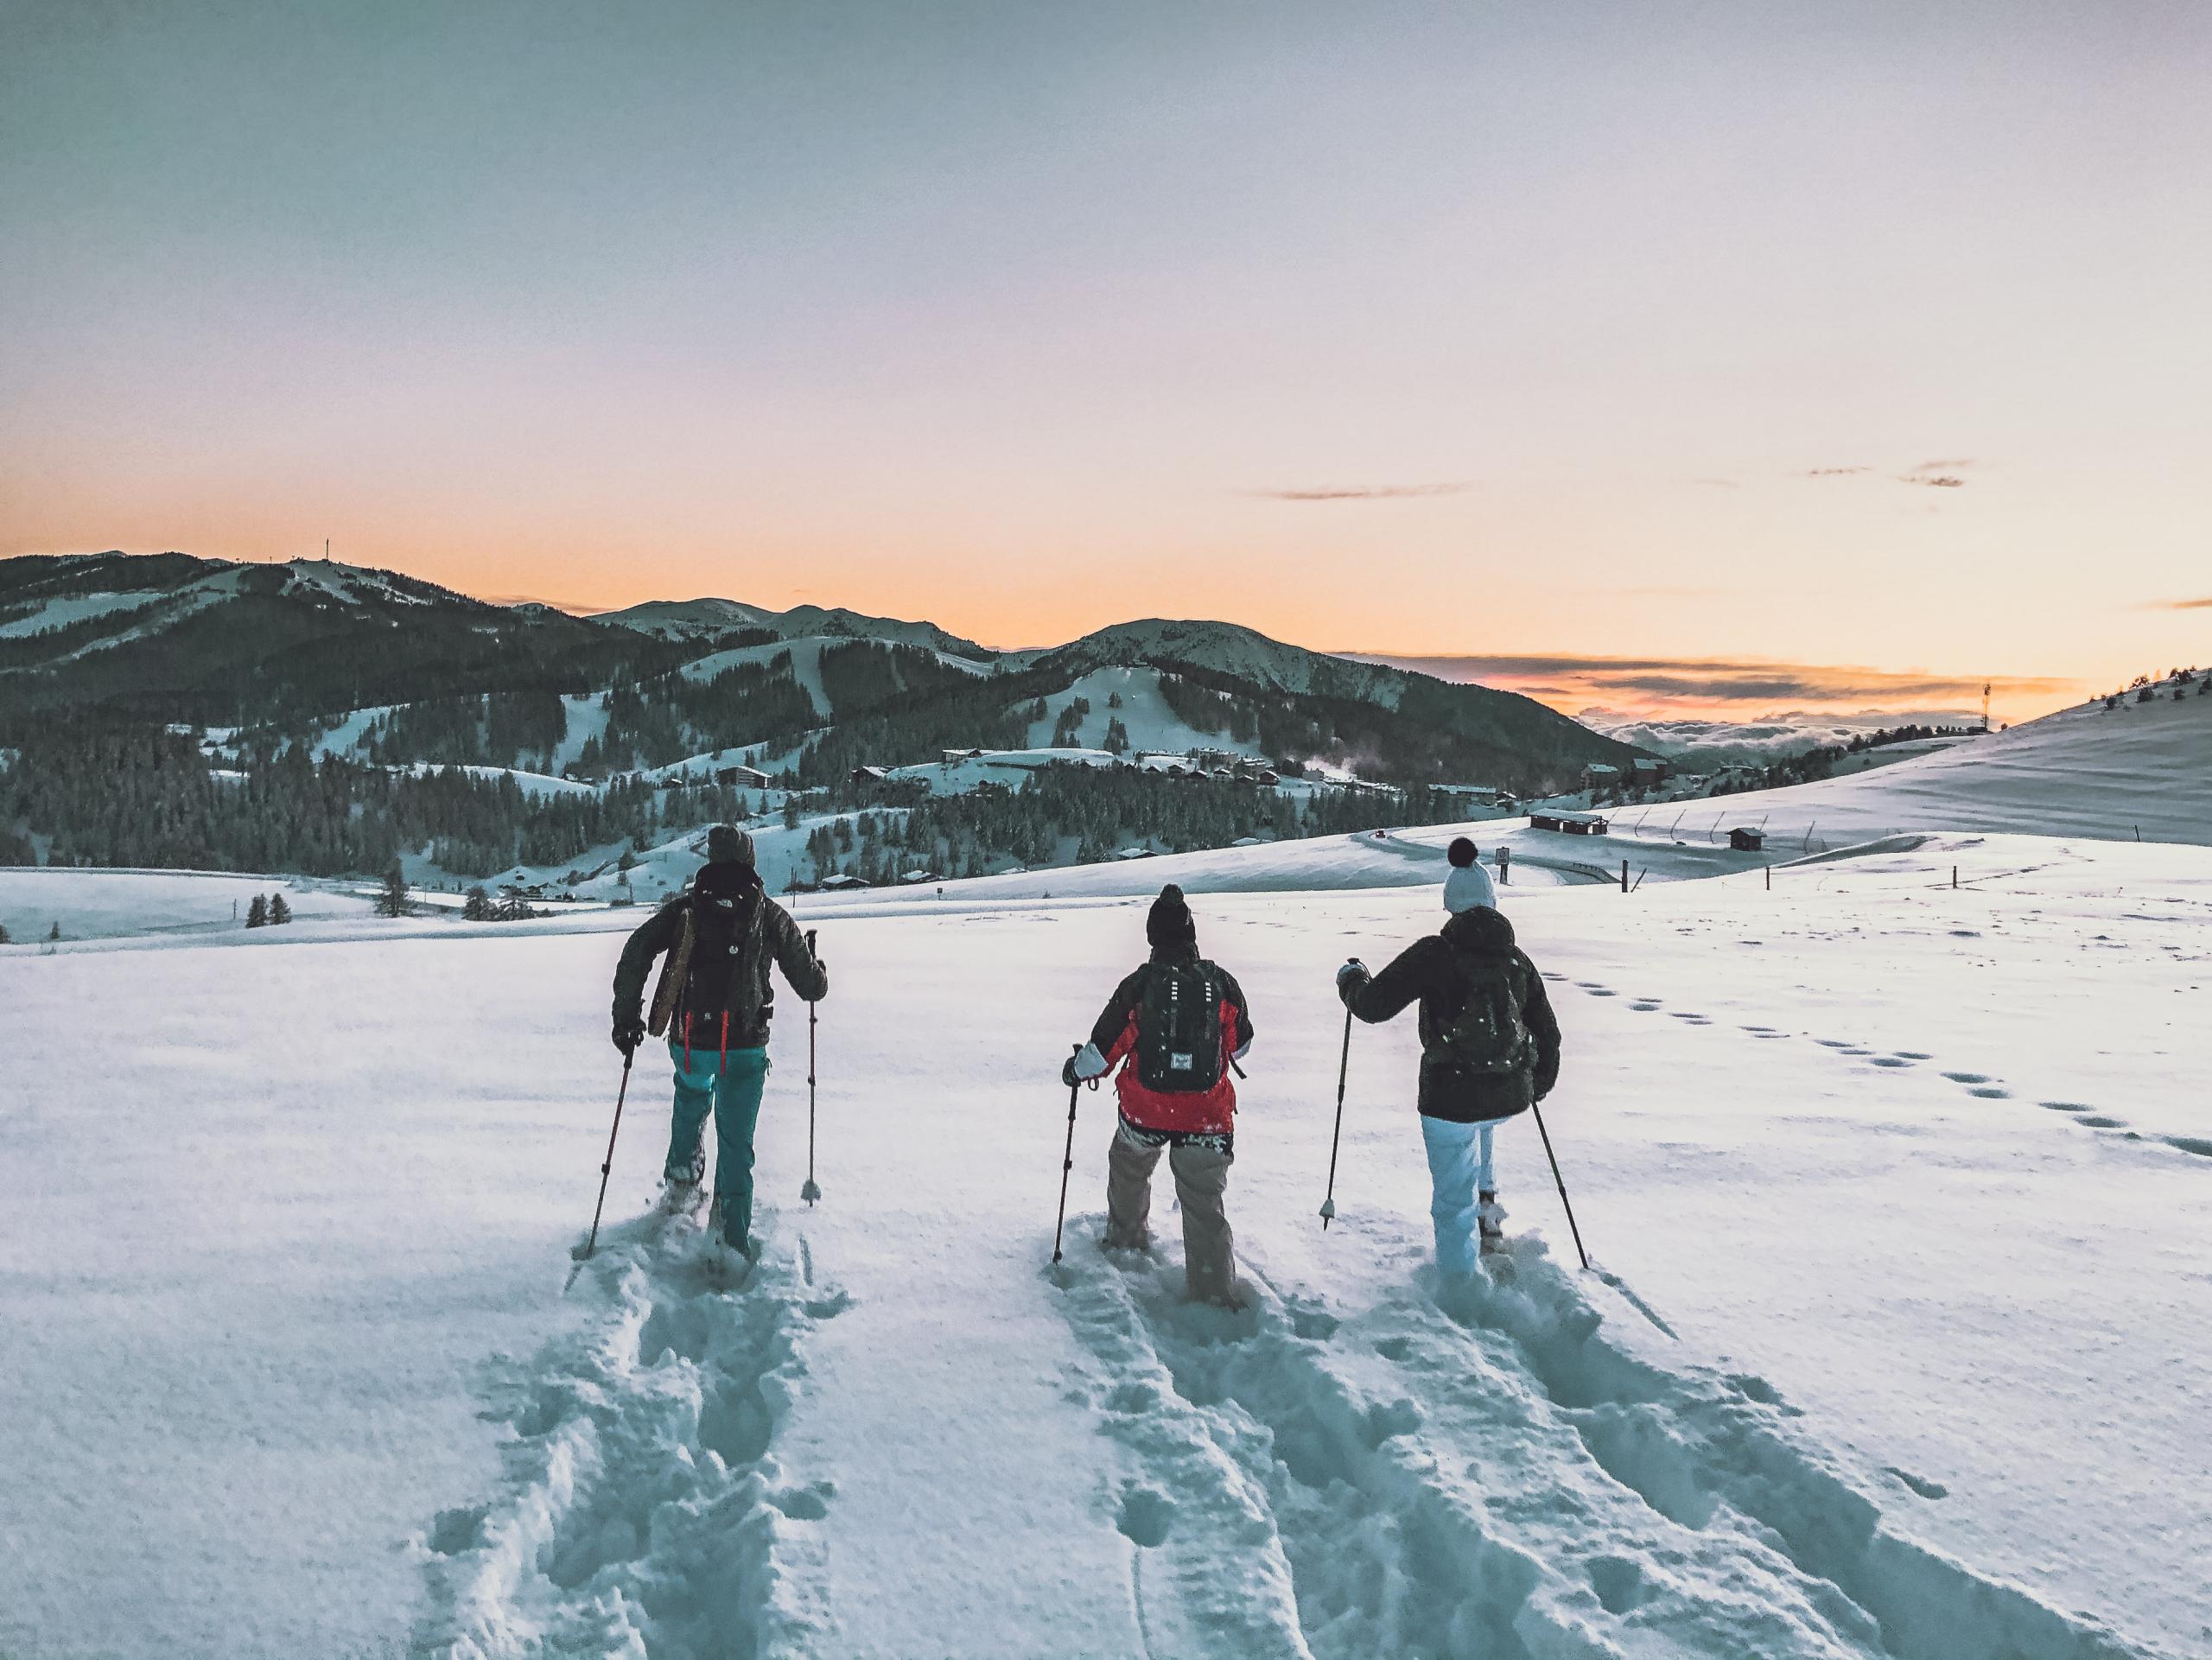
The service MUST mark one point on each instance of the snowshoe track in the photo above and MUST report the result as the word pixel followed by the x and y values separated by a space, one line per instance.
pixel 644 1511
pixel 1499 1480
pixel 1981 1086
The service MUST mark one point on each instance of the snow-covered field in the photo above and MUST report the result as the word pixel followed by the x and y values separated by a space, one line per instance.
pixel 1898 1344
pixel 96 904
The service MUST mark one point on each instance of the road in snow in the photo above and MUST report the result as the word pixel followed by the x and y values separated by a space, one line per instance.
pixel 1919 1178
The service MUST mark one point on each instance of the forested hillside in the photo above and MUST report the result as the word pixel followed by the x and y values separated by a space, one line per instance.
pixel 319 717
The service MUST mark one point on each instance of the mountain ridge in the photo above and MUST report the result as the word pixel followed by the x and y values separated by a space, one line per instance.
pixel 188 639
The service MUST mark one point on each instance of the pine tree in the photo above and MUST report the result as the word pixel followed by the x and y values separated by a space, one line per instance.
pixel 477 906
pixel 56 933
pixel 279 911
pixel 257 914
pixel 3 933
pixel 392 902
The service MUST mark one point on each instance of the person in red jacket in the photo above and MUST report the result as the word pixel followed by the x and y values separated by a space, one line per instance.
pixel 1172 1027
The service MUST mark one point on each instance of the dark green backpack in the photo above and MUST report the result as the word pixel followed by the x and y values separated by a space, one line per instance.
pixel 1488 1036
pixel 1178 1028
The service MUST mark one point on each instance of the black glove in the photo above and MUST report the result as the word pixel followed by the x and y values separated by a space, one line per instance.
pixel 629 1032
pixel 1351 980
pixel 1067 1072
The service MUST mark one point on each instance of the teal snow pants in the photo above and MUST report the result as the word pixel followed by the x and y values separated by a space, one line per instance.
pixel 728 1085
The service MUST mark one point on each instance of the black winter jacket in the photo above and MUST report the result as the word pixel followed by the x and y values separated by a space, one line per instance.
pixel 1429 970
pixel 727 970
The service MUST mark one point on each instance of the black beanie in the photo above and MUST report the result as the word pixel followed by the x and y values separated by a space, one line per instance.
pixel 1461 853
pixel 729 845
pixel 1170 923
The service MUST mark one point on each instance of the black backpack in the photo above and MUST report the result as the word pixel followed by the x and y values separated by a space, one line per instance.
pixel 1178 1028
pixel 1487 1036
pixel 720 935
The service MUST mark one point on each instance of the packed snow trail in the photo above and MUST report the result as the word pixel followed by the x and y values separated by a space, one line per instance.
pixel 645 1509
pixel 1497 1481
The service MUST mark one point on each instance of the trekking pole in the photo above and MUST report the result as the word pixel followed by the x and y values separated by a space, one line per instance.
pixel 607 1163
pixel 1556 1178
pixel 1343 1070
pixel 1067 1164
pixel 812 1189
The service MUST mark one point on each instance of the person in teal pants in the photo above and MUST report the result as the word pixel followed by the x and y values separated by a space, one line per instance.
pixel 714 1003
pixel 730 1086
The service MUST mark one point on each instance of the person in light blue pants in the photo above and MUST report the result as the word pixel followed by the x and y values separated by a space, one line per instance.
pixel 1490 1050
pixel 1458 1169
pixel 729 1085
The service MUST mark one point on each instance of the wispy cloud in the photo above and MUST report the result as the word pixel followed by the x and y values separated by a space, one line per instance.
pixel 1673 593
pixel 1833 472
pixel 2176 605
pixel 1719 484
pixel 1361 492
pixel 1730 681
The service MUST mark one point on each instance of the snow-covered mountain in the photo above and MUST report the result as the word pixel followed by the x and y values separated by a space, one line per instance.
pixel 1231 649
pixel 709 619
pixel 176 637
pixel 317 649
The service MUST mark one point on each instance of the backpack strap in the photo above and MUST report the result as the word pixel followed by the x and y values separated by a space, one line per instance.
pixel 674 972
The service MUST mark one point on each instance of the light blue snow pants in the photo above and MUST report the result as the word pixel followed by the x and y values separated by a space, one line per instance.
pixel 1459 1166
pixel 730 1086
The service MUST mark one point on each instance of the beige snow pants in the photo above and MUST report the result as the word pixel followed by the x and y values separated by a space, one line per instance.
pixel 1201 1178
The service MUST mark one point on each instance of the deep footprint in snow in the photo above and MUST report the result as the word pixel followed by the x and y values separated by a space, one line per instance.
pixel 2096 1121
pixel 1920 1485
pixel 1889 1060
pixel 2066 1106
pixel 1146 1517
pixel 456 1531
pixel 2192 1144
pixel 1968 1077
pixel 1644 1007
pixel 1619 1583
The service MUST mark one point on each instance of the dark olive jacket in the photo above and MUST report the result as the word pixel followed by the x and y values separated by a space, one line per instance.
pixel 739 988
pixel 1428 971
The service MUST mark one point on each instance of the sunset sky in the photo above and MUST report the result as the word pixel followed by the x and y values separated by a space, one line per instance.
pixel 1769 355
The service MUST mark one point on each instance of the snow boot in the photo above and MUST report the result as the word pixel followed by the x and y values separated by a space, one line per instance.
pixel 732 1267
pixel 1490 1215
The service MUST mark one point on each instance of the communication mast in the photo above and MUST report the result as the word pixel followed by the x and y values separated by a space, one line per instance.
pixel 1985 703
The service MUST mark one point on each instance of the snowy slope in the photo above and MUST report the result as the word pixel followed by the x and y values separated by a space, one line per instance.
pixel 61 610
pixel 2088 771
pixel 1150 723
pixel 1934 1370
pixel 106 903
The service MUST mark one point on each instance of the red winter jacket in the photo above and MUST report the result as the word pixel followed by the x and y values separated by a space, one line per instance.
pixel 1114 1037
